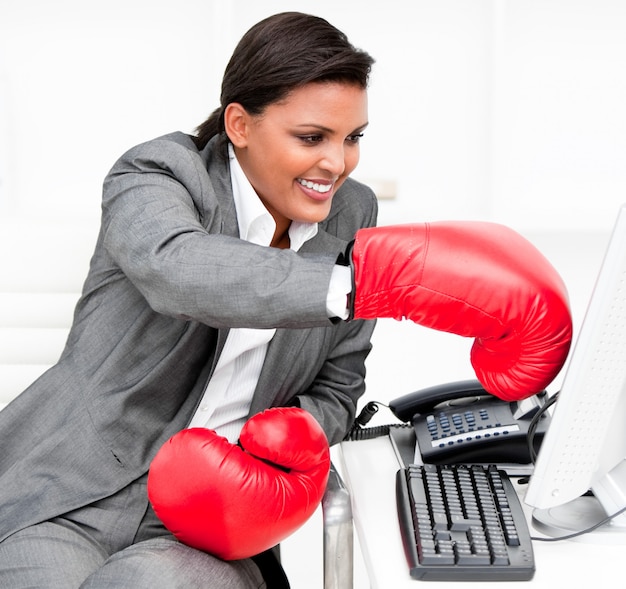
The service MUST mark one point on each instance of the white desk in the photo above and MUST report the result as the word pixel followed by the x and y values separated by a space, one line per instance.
pixel 369 468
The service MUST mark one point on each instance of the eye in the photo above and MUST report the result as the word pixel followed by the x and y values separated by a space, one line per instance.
pixel 354 138
pixel 310 139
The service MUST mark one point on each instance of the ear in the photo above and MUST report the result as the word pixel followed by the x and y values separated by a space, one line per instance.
pixel 236 121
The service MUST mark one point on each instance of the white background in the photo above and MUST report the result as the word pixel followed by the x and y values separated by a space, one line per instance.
pixel 504 109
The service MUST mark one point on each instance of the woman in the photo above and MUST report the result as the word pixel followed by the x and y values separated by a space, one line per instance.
pixel 213 294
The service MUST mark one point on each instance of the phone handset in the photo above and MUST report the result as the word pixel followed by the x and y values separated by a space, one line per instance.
pixel 465 392
pixel 458 394
pixel 461 422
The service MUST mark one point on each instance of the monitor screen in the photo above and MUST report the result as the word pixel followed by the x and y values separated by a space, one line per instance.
pixel 580 474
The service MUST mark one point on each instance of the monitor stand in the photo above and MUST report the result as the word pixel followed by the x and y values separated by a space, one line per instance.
pixel 577 515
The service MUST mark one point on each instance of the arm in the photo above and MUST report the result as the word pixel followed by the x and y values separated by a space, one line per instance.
pixel 162 225
pixel 332 397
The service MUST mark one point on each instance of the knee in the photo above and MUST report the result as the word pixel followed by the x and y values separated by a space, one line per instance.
pixel 168 564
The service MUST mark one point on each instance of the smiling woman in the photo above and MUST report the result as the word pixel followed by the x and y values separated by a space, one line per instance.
pixel 213 303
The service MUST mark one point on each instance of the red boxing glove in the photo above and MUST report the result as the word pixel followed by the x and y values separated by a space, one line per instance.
pixel 237 501
pixel 474 279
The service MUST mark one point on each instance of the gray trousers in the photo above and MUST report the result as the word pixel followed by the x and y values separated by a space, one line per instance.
pixel 115 543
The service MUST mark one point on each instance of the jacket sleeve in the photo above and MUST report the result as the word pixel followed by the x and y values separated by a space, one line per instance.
pixel 173 251
pixel 332 397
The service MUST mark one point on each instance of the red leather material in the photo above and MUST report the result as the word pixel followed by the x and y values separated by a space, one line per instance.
pixel 235 501
pixel 474 279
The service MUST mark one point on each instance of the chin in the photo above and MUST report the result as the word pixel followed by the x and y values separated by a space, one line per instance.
pixel 319 217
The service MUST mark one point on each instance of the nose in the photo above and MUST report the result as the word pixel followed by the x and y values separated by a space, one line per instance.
pixel 334 159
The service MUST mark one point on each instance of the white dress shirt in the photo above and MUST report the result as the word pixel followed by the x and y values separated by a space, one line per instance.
pixel 226 400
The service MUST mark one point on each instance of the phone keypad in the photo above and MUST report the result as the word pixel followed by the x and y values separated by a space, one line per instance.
pixel 447 429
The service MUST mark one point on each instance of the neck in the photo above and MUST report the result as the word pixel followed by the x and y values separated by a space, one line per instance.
pixel 281 240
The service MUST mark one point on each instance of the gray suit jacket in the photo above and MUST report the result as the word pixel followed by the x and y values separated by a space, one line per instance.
pixel 169 276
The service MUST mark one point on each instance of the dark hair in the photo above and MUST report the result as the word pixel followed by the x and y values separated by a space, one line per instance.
pixel 279 54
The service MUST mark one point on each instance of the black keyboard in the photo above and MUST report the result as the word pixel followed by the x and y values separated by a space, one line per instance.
pixel 463 523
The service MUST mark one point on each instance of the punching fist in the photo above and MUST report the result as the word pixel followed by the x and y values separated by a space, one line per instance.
pixel 235 501
pixel 473 279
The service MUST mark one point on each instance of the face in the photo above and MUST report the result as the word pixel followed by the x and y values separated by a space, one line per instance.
pixel 299 151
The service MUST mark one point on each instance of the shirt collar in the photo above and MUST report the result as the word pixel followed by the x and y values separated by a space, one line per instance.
pixel 255 222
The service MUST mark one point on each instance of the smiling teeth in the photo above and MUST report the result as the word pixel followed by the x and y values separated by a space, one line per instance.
pixel 322 188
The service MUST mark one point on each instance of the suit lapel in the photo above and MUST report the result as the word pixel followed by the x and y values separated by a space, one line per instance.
pixel 283 356
pixel 218 169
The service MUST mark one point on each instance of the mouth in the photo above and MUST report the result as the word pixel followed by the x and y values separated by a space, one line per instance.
pixel 318 187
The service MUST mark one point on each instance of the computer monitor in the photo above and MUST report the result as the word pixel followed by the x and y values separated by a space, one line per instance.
pixel 584 448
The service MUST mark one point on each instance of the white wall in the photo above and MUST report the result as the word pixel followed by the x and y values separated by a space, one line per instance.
pixel 502 109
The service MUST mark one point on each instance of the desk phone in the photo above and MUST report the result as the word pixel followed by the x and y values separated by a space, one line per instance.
pixel 461 422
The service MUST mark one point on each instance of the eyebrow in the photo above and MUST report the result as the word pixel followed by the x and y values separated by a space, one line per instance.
pixel 329 130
